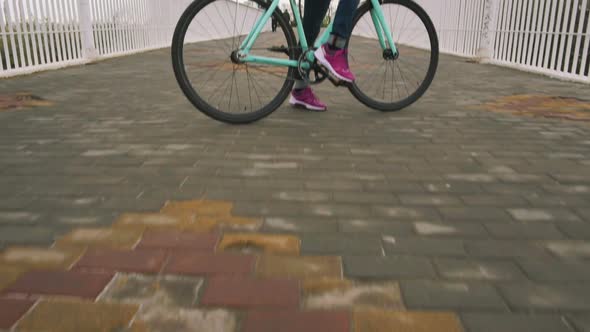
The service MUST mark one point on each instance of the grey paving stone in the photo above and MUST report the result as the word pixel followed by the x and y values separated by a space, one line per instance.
pixel 364 197
pixel 486 322
pixel 300 225
pixel 550 270
pixel 471 269
pixel 406 213
pixel 429 200
pixel 392 267
pixel 581 322
pixel 576 231
pixel 341 244
pixel 493 200
pixel 554 297
pixel 439 295
pixel 454 229
pixel 570 249
pixel 524 230
pixel 302 196
pixel 558 200
pixel 584 213
pixel 423 246
pixel 554 214
pixel 19 217
pixel 504 249
pixel 474 213
pixel 338 210
pixel 512 189
pixel 38 235
pixel 452 187
pixel 379 226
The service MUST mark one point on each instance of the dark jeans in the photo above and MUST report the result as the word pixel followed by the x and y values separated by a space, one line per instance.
pixel 315 11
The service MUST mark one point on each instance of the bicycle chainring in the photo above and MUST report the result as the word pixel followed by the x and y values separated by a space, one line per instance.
pixel 316 74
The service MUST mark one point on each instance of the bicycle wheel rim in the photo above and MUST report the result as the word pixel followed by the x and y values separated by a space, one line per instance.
pixel 229 92
pixel 384 84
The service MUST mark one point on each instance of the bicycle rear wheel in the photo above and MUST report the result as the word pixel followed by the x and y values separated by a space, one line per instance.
pixel 385 83
pixel 237 93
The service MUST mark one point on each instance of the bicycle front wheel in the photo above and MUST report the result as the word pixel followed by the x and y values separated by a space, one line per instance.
pixel 389 83
pixel 207 35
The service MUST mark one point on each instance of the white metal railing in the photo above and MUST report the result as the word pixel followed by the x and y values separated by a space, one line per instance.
pixel 546 36
pixel 47 34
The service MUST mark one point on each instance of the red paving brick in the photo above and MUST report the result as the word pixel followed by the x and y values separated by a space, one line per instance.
pixel 251 293
pixel 66 283
pixel 179 240
pixel 297 321
pixel 198 264
pixel 143 261
pixel 12 310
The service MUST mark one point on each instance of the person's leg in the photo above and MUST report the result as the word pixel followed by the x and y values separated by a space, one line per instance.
pixel 313 16
pixel 333 55
pixel 314 13
pixel 343 19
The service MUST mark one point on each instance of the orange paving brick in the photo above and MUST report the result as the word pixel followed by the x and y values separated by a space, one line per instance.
pixel 237 223
pixel 200 208
pixel 77 316
pixel 100 237
pixel 65 283
pixel 296 267
pixel 142 261
pixel 145 221
pixel 11 310
pixel 388 321
pixel 176 240
pixel 297 321
pixel 250 293
pixel 204 264
pixel 8 275
pixel 325 285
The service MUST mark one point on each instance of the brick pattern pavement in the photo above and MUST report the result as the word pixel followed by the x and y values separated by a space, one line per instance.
pixel 443 213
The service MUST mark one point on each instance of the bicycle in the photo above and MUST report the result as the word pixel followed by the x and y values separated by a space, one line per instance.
pixel 267 62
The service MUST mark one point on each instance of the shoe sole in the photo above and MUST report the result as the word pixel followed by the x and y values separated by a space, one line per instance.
pixel 321 58
pixel 295 102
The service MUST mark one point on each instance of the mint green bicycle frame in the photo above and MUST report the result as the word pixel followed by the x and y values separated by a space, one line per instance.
pixel 381 27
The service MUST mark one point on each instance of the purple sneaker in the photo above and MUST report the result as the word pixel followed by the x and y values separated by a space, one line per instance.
pixel 307 99
pixel 336 61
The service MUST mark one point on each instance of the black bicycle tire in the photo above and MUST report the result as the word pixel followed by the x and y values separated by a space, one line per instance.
pixel 186 87
pixel 433 66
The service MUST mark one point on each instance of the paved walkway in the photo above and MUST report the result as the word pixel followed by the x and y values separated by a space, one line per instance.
pixel 448 216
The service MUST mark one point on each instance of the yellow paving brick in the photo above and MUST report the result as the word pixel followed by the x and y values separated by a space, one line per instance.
pixel 203 225
pixel 201 208
pixel 100 237
pixel 278 244
pixel 143 221
pixel 224 222
pixel 388 321
pixel 295 267
pixel 8 275
pixel 40 258
pixel 232 222
pixel 325 285
pixel 61 315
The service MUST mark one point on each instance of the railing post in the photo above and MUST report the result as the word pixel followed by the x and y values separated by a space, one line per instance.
pixel 488 33
pixel 89 51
